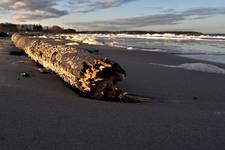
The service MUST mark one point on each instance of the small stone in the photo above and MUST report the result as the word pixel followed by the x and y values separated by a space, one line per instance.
pixel 3 34
pixel 24 74
pixel 195 98
pixel 43 70
pixel 94 51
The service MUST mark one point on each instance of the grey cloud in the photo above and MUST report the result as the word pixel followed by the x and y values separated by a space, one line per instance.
pixel 129 23
pixel 28 4
pixel 80 1
pixel 168 11
pixel 150 20
pixel 44 9
pixel 39 15
pixel 98 5
pixel 35 9
pixel 204 11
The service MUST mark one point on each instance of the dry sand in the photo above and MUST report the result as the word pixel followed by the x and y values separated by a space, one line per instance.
pixel 42 113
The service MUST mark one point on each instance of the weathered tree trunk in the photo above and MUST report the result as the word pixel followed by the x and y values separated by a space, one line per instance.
pixel 94 76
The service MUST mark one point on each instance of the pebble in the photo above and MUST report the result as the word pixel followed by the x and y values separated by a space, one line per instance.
pixel 24 74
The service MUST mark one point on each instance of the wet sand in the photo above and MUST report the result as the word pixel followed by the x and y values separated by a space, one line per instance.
pixel 42 112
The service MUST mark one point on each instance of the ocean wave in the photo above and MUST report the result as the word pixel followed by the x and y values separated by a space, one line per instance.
pixel 169 36
pixel 202 67
pixel 82 38
pixel 98 39
pixel 169 43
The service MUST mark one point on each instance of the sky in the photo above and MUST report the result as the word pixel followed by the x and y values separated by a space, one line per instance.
pixel 207 16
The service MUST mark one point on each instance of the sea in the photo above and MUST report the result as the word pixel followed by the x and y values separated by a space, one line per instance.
pixel 201 47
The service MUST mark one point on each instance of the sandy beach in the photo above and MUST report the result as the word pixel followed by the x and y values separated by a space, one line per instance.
pixel 41 112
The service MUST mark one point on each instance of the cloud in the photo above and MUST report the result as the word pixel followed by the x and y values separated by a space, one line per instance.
pixel 26 10
pixel 91 5
pixel 34 9
pixel 204 11
pixel 39 15
pixel 80 1
pixel 172 18
pixel 129 23
pixel 19 5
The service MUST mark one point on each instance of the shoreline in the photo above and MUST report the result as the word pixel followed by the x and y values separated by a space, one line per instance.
pixel 179 57
pixel 41 112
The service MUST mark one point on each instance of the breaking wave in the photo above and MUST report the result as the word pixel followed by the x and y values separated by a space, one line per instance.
pixel 169 36
pixel 208 46
pixel 98 39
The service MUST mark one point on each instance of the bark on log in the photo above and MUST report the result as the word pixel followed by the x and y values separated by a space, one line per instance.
pixel 92 75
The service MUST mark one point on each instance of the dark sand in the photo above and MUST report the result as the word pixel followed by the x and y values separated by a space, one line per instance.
pixel 43 113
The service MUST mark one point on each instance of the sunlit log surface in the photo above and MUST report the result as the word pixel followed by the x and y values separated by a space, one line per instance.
pixel 92 75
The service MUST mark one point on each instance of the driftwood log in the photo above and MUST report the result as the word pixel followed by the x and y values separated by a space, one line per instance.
pixel 91 75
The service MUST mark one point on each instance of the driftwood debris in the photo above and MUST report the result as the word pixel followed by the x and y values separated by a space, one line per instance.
pixel 92 75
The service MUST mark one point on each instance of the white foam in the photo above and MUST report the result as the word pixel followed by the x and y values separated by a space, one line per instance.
pixel 211 58
pixel 151 49
pixel 93 39
pixel 169 36
pixel 43 37
pixel 71 44
pixel 130 48
pixel 202 67
pixel 82 38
